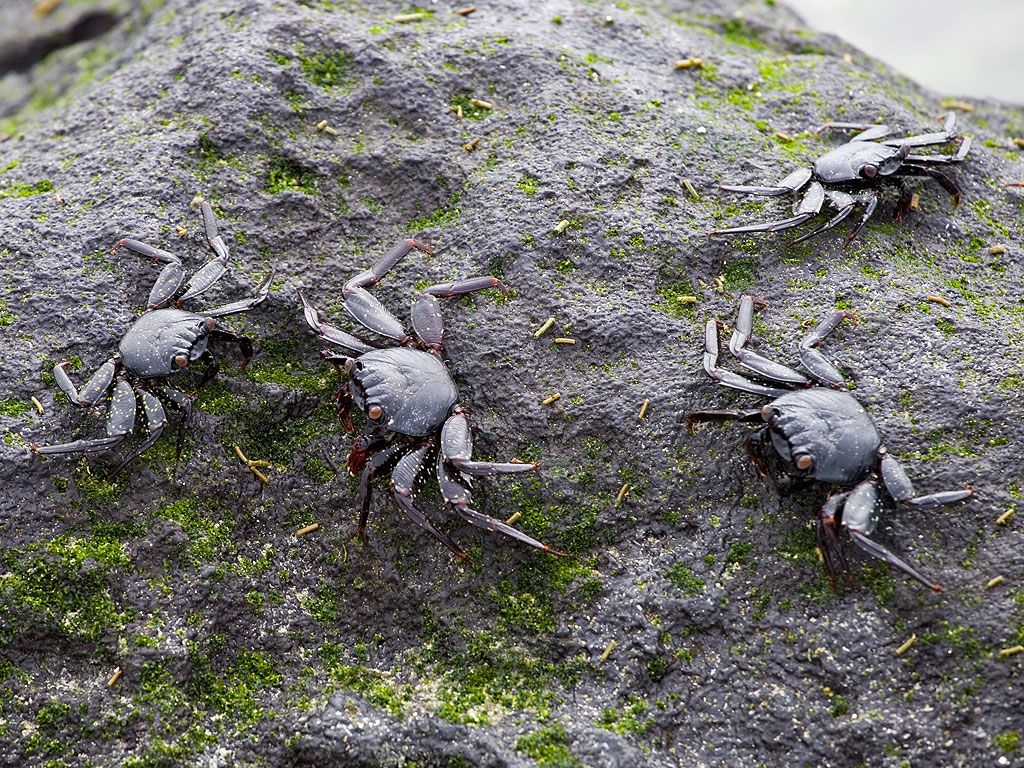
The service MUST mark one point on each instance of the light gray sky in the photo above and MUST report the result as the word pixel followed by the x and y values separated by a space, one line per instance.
pixel 956 47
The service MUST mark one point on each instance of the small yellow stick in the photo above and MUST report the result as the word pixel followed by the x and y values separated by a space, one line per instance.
pixel 939 300
pixel 481 104
pixel 1004 518
pixel 995 582
pixel 997 250
pixel 561 226
pixel 643 409
pixel 915 202
pixel 622 494
pixel 470 145
pixel 405 18
pixel 514 519
pixel 906 646
pixel 465 10
pixel 1011 651
pixel 607 651
pixel 689 63
pixel 308 529
pixel 37 404
pixel 114 677
pixel 544 328
pixel 564 340
pixel 253 466
pixel 551 399
pixel 691 189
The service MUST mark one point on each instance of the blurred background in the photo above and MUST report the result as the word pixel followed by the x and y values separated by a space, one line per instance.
pixel 956 48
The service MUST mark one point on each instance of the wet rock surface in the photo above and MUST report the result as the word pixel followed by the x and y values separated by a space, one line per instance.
pixel 690 622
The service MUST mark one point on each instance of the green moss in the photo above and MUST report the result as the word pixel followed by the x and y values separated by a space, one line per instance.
pixel 327 70
pixel 528 185
pixel 471 111
pixel 630 718
pixel 1007 742
pixel 62 586
pixel 6 316
pixel 209 537
pixel 739 274
pixel 677 299
pixel 444 216
pixel 26 189
pixel 12 406
pixel 739 553
pixel 373 685
pixel 278 362
pixel 983 210
pixel 838 705
pixel 549 747
pixel 740 32
pixel 945 325
pixel 287 175
pixel 683 578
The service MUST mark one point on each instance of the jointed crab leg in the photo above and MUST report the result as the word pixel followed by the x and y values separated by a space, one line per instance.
pixel 944 181
pixel 788 185
pixel 728 378
pixel 821 369
pixel 870 202
pixel 156 419
pixel 769 369
pixel 170 278
pixel 810 206
pixel 868 131
pixel 426 312
pixel 364 307
pixel 242 305
pixel 699 417
pixel 120 422
pixel 457 450
pixel 328 332
pixel 403 479
pixel 899 486
pixel 948 133
pixel 842 202
pixel 961 154
pixel 214 269
pixel 95 388
pixel 375 463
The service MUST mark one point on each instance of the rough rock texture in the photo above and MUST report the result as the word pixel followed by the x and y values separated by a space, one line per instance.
pixel 240 643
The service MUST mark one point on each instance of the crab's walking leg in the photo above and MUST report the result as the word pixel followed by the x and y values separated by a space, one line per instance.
pixel 364 307
pixel 458 497
pixel 426 312
pixel 828 540
pixel 810 206
pixel 860 516
pixel 95 388
pixel 170 278
pixel 328 332
pixel 762 366
pixel 244 347
pixel 961 153
pixel 868 131
pixel 870 202
pixel 120 422
pixel 728 378
pixel 844 205
pixel 371 466
pixel 822 370
pixel 457 449
pixel 948 133
pixel 243 305
pixel 214 269
pixel 944 181
pixel 788 185
pixel 184 402
pixel 156 419
pixel 899 486
pixel 403 479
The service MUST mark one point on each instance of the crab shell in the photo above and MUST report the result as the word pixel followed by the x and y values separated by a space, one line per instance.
pixel 413 388
pixel 163 341
pixel 845 164
pixel 830 427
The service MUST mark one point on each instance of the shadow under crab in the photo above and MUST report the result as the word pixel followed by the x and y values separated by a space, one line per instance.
pixel 854 173
pixel 163 341
pixel 409 397
pixel 815 431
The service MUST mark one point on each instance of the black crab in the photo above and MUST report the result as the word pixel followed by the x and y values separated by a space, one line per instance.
pixel 815 431
pixel 410 400
pixel 164 340
pixel 854 173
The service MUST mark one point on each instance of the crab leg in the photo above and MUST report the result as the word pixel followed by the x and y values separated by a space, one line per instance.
pixel 870 201
pixel 95 388
pixel 120 422
pixel 841 201
pixel 170 278
pixel 728 378
pixel 243 305
pixel 790 184
pixel 809 207
pixel 403 479
pixel 156 419
pixel 214 269
pixel 860 516
pixel 762 366
pixel 828 542
pixel 822 370
pixel 948 133
pixel 899 486
pixel 364 307
pixel 868 131
pixel 699 417
pixel 328 332
pixel 457 495
pixel 426 312
pixel 961 153
pixel 457 450
pixel 944 181
pixel 370 467
pixel 244 346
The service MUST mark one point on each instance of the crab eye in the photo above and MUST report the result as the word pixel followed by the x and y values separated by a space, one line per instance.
pixel 767 412
pixel 804 462
pixel 869 171
pixel 181 360
pixel 375 412
pixel 349 364
pixel 209 324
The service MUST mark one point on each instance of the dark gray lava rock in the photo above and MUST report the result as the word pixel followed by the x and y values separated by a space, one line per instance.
pixel 548 143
